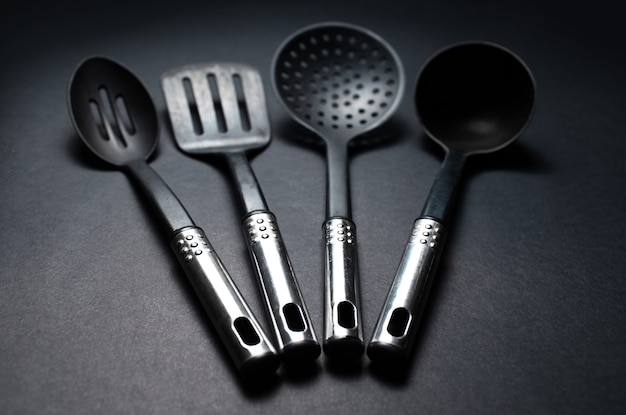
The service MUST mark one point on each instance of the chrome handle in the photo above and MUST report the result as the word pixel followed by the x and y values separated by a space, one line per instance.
pixel 397 324
pixel 239 330
pixel 343 332
pixel 283 299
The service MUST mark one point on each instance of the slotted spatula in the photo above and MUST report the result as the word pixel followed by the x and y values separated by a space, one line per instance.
pixel 219 108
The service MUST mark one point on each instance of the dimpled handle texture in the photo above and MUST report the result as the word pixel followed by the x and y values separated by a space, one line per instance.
pixel 396 328
pixel 283 299
pixel 342 302
pixel 237 327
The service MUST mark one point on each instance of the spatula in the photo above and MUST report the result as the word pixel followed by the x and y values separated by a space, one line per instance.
pixel 219 108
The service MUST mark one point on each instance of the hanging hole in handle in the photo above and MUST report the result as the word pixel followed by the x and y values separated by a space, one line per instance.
pixel 399 322
pixel 346 315
pixel 246 331
pixel 293 317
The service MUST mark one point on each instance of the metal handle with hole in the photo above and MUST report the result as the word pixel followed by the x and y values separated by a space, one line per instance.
pixel 290 318
pixel 343 331
pixel 396 328
pixel 240 332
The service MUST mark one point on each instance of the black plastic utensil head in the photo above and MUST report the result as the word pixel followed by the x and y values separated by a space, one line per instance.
pixel 474 97
pixel 217 107
pixel 337 79
pixel 112 111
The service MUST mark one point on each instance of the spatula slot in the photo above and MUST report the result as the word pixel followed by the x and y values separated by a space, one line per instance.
pixel 193 107
pixel 217 104
pixel 241 102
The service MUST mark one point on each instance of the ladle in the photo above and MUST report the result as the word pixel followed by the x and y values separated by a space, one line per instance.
pixel 339 81
pixel 115 117
pixel 472 98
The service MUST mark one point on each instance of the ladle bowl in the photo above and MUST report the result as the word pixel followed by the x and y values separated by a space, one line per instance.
pixel 472 97
pixel 480 106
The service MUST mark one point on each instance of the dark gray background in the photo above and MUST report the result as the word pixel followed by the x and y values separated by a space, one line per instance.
pixel 528 314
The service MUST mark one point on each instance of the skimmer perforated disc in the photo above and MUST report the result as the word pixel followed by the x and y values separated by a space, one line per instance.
pixel 337 79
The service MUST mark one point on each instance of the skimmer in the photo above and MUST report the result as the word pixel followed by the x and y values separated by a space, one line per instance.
pixel 339 81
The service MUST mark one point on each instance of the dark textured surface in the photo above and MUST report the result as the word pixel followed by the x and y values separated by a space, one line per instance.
pixel 528 314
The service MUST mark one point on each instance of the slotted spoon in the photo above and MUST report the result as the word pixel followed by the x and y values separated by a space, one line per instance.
pixel 340 81
pixel 115 117
pixel 219 108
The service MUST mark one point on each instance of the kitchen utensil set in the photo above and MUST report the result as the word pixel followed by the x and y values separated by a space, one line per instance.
pixel 340 81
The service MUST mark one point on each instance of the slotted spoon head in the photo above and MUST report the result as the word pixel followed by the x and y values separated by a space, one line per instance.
pixel 338 79
pixel 216 107
pixel 112 111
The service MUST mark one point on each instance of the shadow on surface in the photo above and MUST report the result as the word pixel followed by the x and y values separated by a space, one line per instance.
pixel 345 369
pixel 300 373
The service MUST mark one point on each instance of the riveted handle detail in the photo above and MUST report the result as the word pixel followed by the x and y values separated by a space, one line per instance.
pixel 233 320
pixel 343 331
pixel 397 324
pixel 283 300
